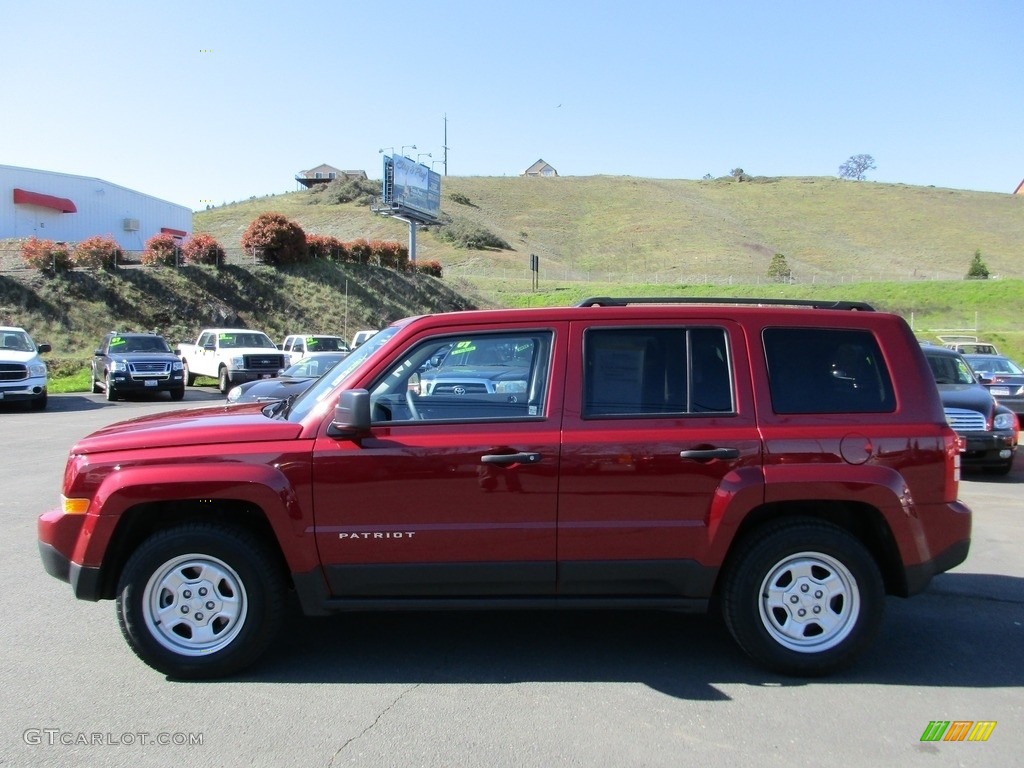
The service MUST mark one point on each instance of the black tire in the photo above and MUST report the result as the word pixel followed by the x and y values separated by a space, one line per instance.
pixel 223 382
pixel 111 392
pixel 190 378
pixel 96 388
pixel 803 597
pixel 178 394
pixel 176 628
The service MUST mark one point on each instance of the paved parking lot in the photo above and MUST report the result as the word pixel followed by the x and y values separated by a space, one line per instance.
pixel 497 689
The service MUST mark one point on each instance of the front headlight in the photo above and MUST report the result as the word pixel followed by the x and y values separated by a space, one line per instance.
pixel 176 366
pixel 37 369
pixel 1004 421
pixel 238 362
pixel 234 393
pixel 118 365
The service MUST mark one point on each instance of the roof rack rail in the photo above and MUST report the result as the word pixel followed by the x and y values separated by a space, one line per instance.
pixel 607 301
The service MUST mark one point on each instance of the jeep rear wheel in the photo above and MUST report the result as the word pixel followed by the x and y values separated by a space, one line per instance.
pixel 803 597
pixel 200 601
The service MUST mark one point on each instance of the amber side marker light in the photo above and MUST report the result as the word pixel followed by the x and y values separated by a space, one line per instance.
pixel 74 506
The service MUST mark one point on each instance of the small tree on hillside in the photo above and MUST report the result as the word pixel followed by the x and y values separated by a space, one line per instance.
pixel 279 240
pixel 977 270
pixel 856 167
pixel 779 270
pixel 738 173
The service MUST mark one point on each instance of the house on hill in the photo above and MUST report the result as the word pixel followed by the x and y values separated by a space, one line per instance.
pixel 324 174
pixel 540 168
pixel 1020 188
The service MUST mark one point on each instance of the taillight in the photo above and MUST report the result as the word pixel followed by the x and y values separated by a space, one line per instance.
pixel 955 445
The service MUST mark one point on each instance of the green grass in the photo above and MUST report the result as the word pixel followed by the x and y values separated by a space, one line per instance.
pixel 77 382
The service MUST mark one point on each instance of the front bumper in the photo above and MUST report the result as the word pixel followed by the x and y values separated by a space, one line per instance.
pixel 57 535
pixel 124 382
pixel 988 449
pixel 29 389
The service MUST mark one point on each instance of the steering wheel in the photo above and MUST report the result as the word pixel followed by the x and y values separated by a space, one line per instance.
pixel 410 400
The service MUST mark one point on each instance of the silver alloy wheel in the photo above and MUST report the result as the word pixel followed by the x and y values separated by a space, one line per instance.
pixel 194 605
pixel 809 602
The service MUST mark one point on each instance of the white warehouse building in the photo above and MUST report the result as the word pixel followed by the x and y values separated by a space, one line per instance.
pixel 66 208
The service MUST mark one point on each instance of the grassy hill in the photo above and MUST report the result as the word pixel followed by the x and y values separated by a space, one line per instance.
pixel 679 231
pixel 901 248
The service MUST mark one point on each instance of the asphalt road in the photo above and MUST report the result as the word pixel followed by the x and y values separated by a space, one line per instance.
pixel 493 689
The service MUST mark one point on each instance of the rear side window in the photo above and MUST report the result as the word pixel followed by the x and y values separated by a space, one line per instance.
pixel 656 371
pixel 816 370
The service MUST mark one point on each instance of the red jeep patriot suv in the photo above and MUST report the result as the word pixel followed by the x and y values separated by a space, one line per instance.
pixel 789 464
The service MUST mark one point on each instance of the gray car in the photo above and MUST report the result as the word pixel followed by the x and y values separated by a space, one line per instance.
pixel 1003 377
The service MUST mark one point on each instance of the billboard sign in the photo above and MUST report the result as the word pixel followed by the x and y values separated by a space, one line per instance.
pixel 413 187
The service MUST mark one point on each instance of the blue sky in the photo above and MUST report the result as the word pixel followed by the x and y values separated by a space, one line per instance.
pixel 218 100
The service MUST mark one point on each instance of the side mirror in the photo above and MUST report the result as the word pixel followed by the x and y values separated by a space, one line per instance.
pixel 351 415
pixel 44 348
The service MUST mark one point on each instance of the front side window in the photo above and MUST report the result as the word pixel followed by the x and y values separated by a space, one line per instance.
pixel 656 371
pixel 827 370
pixel 476 376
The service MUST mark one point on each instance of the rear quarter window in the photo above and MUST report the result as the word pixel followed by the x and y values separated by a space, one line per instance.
pixel 821 370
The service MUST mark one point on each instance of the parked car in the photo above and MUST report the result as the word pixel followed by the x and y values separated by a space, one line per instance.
pixel 789 466
pixel 291 381
pixel 1003 377
pixel 23 374
pixel 361 337
pixel 136 363
pixel 989 430
pixel 298 345
pixel 474 366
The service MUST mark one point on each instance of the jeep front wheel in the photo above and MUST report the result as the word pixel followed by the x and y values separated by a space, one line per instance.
pixel 803 597
pixel 200 601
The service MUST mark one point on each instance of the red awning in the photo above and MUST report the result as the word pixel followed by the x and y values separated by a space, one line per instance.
pixel 175 232
pixel 61 204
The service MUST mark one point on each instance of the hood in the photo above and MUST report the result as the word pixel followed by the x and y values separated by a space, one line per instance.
pixel 146 357
pixel 973 397
pixel 201 426
pixel 16 356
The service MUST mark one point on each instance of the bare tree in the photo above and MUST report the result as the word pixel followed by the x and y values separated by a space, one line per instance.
pixel 856 167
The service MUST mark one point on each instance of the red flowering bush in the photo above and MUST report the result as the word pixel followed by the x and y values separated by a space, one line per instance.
pixel 96 252
pixel 161 249
pixel 46 255
pixel 277 239
pixel 325 247
pixel 202 249
pixel 389 254
pixel 432 268
pixel 359 251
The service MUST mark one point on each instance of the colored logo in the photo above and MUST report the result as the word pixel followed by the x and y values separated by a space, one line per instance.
pixel 958 730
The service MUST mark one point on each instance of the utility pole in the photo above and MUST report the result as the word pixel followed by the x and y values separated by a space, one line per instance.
pixel 445 143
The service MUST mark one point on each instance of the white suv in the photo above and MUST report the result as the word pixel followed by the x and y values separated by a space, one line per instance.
pixel 22 371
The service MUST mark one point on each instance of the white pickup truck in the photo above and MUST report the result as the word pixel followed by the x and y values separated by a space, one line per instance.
pixel 231 356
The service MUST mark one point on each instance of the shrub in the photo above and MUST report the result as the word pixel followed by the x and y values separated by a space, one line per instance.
pixel 359 191
pixel 46 255
pixel 325 247
pixel 96 252
pixel 161 249
pixel 463 234
pixel 389 254
pixel 432 268
pixel 279 240
pixel 202 249
pixel 977 270
pixel 461 199
pixel 359 251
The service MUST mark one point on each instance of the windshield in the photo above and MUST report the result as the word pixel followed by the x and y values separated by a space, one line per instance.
pixel 241 340
pixel 124 344
pixel 325 385
pixel 950 369
pixel 994 365
pixel 18 341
